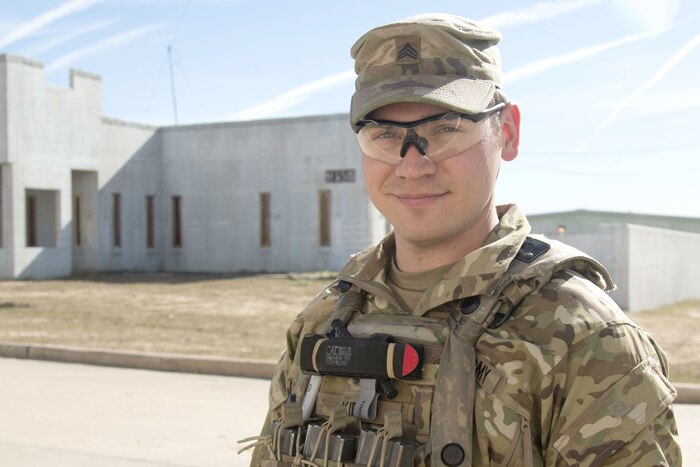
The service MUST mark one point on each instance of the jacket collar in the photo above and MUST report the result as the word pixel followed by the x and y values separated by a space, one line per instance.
pixel 478 273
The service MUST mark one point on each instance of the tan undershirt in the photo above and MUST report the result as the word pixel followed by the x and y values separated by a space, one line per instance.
pixel 411 286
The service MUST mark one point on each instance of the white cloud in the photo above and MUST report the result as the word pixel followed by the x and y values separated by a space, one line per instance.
pixel 36 49
pixel 31 27
pixel 658 76
pixel 292 97
pixel 536 12
pixel 112 41
pixel 540 66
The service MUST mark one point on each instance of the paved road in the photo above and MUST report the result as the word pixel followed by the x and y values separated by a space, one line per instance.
pixel 57 414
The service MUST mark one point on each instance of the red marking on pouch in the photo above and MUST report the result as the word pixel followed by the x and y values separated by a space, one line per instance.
pixel 410 360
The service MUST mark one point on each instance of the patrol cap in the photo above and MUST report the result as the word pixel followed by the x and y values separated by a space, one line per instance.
pixel 432 58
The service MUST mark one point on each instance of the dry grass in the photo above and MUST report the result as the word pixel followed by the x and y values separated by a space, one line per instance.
pixel 677 329
pixel 241 316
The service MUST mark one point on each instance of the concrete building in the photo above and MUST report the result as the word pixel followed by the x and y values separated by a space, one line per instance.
pixel 583 221
pixel 80 192
pixel 654 260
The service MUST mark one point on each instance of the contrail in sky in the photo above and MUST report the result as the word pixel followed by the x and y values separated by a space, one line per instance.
pixel 292 97
pixel 30 27
pixel 547 64
pixel 51 43
pixel 299 94
pixel 536 12
pixel 663 71
pixel 112 41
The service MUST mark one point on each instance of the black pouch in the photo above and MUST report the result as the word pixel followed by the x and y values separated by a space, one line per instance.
pixel 361 357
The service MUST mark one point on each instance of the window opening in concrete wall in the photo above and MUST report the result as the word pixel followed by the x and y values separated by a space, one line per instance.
pixel 77 230
pixel 116 220
pixel 177 221
pixel 324 209
pixel 265 239
pixel 150 222
pixel 31 221
pixel 41 217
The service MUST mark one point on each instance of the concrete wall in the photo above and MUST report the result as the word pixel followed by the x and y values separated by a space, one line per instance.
pixel 50 131
pixel 3 109
pixel 664 266
pixel 51 125
pixel 5 186
pixel 86 253
pixel 651 267
pixel 6 192
pixel 220 170
pixel 609 247
pixel 6 203
pixel 6 240
pixel 41 262
pixel 131 165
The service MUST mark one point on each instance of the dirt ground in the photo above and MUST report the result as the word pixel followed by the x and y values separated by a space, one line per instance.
pixel 244 316
pixel 224 315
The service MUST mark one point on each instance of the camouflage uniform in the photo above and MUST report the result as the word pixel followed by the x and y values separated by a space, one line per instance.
pixel 566 379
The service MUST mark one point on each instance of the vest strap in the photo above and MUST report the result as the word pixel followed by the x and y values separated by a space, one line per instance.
pixel 453 405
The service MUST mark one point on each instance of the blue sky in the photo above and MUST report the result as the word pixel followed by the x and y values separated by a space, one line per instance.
pixel 609 89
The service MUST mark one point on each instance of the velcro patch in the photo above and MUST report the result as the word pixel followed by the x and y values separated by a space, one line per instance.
pixel 625 409
pixel 487 375
pixel 532 249
pixel 407 50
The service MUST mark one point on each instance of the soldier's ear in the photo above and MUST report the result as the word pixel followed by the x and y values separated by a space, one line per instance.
pixel 510 126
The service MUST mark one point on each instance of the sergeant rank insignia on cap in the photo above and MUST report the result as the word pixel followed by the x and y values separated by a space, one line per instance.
pixel 408 50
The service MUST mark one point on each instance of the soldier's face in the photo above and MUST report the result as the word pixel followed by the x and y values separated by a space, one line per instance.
pixel 431 203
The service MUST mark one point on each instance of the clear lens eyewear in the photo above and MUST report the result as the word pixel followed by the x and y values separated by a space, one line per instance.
pixel 437 138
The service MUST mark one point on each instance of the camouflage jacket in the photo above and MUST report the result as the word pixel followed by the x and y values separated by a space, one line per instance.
pixel 566 380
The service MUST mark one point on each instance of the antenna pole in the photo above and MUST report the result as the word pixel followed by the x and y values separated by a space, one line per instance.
pixel 172 82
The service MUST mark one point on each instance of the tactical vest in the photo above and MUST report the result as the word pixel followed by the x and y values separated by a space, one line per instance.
pixel 344 421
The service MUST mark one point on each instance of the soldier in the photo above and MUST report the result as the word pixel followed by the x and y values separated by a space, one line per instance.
pixel 460 339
